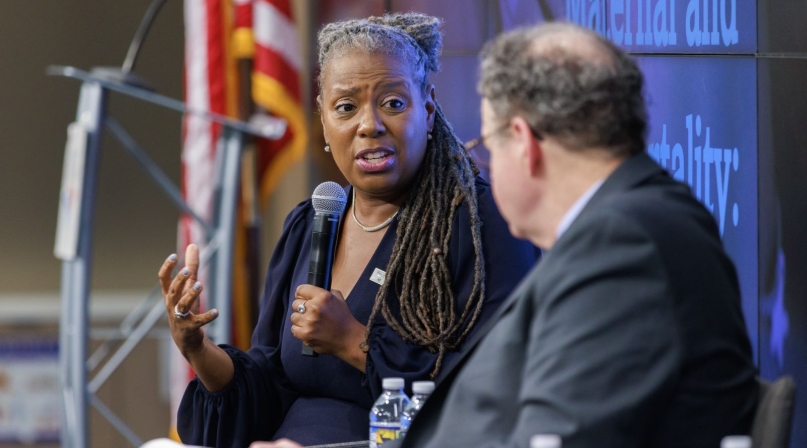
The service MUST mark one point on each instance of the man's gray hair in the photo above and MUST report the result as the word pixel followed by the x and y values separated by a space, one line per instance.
pixel 413 37
pixel 569 83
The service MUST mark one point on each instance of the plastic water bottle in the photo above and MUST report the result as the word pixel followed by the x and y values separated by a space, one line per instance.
pixel 545 441
pixel 735 442
pixel 385 416
pixel 420 392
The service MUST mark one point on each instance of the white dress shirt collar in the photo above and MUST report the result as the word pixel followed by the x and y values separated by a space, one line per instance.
pixel 576 208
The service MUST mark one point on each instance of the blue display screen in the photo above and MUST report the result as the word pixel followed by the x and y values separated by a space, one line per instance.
pixel 693 26
pixel 651 26
pixel 703 130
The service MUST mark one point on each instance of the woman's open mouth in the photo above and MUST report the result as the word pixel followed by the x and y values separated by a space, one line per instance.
pixel 374 160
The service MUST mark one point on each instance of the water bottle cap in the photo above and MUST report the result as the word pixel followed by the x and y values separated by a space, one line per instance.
pixel 736 442
pixel 423 387
pixel 545 441
pixel 393 383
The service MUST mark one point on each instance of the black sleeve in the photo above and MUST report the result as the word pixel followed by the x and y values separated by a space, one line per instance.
pixel 252 406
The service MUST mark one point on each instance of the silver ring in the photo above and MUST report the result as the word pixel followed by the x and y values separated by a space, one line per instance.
pixel 179 315
pixel 301 308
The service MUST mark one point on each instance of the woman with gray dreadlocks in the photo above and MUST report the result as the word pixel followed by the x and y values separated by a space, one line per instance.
pixel 422 260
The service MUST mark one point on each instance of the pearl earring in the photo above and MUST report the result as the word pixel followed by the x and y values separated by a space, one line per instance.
pixel 327 148
pixel 429 136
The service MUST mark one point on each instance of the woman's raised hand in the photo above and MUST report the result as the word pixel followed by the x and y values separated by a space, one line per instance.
pixel 323 321
pixel 181 295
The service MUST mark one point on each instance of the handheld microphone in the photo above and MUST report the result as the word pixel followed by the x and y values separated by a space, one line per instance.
pixel 329 201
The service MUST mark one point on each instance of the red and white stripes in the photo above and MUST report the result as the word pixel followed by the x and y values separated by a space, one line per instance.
pixel 276 86
pixel 216 33
pixel 276 32
pixel 204 90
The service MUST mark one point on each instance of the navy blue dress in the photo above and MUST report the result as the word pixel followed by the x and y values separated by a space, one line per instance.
pixel 276 392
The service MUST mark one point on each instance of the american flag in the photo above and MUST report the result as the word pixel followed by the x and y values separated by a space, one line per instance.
pixel 276 87
pixel 217 34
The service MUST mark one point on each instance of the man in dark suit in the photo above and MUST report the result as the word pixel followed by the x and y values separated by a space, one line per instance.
pixel 629 333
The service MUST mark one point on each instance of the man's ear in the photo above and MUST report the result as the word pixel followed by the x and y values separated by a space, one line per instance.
pixel 530 146
pixel 431 106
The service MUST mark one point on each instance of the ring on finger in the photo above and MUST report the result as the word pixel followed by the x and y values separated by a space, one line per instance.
pixel 179 315
pixel 301 308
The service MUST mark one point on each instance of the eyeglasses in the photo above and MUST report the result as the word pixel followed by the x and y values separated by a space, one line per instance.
pixel 479 141
pixel 481 155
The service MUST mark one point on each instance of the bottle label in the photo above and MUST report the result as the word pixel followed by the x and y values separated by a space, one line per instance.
pixel 381 433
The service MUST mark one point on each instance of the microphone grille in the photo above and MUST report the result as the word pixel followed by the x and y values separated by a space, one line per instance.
pixel 329 197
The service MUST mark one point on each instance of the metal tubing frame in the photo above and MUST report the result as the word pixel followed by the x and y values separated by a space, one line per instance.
pixel 221 271
pixel 153 170
pixel 134 336
pixel 217 253
pixel 73 325
pixel 116 422
pixel 273 129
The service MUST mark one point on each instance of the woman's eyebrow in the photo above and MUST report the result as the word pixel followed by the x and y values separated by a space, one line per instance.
pixel 394 84
pixel 346 91
pixel 354 90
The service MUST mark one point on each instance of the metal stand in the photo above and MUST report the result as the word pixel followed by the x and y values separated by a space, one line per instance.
pixel 76 268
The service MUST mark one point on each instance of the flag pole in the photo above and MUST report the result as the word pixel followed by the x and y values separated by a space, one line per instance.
pixel 250 197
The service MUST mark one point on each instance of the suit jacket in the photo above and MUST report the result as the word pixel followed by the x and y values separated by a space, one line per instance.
pixel 629 333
